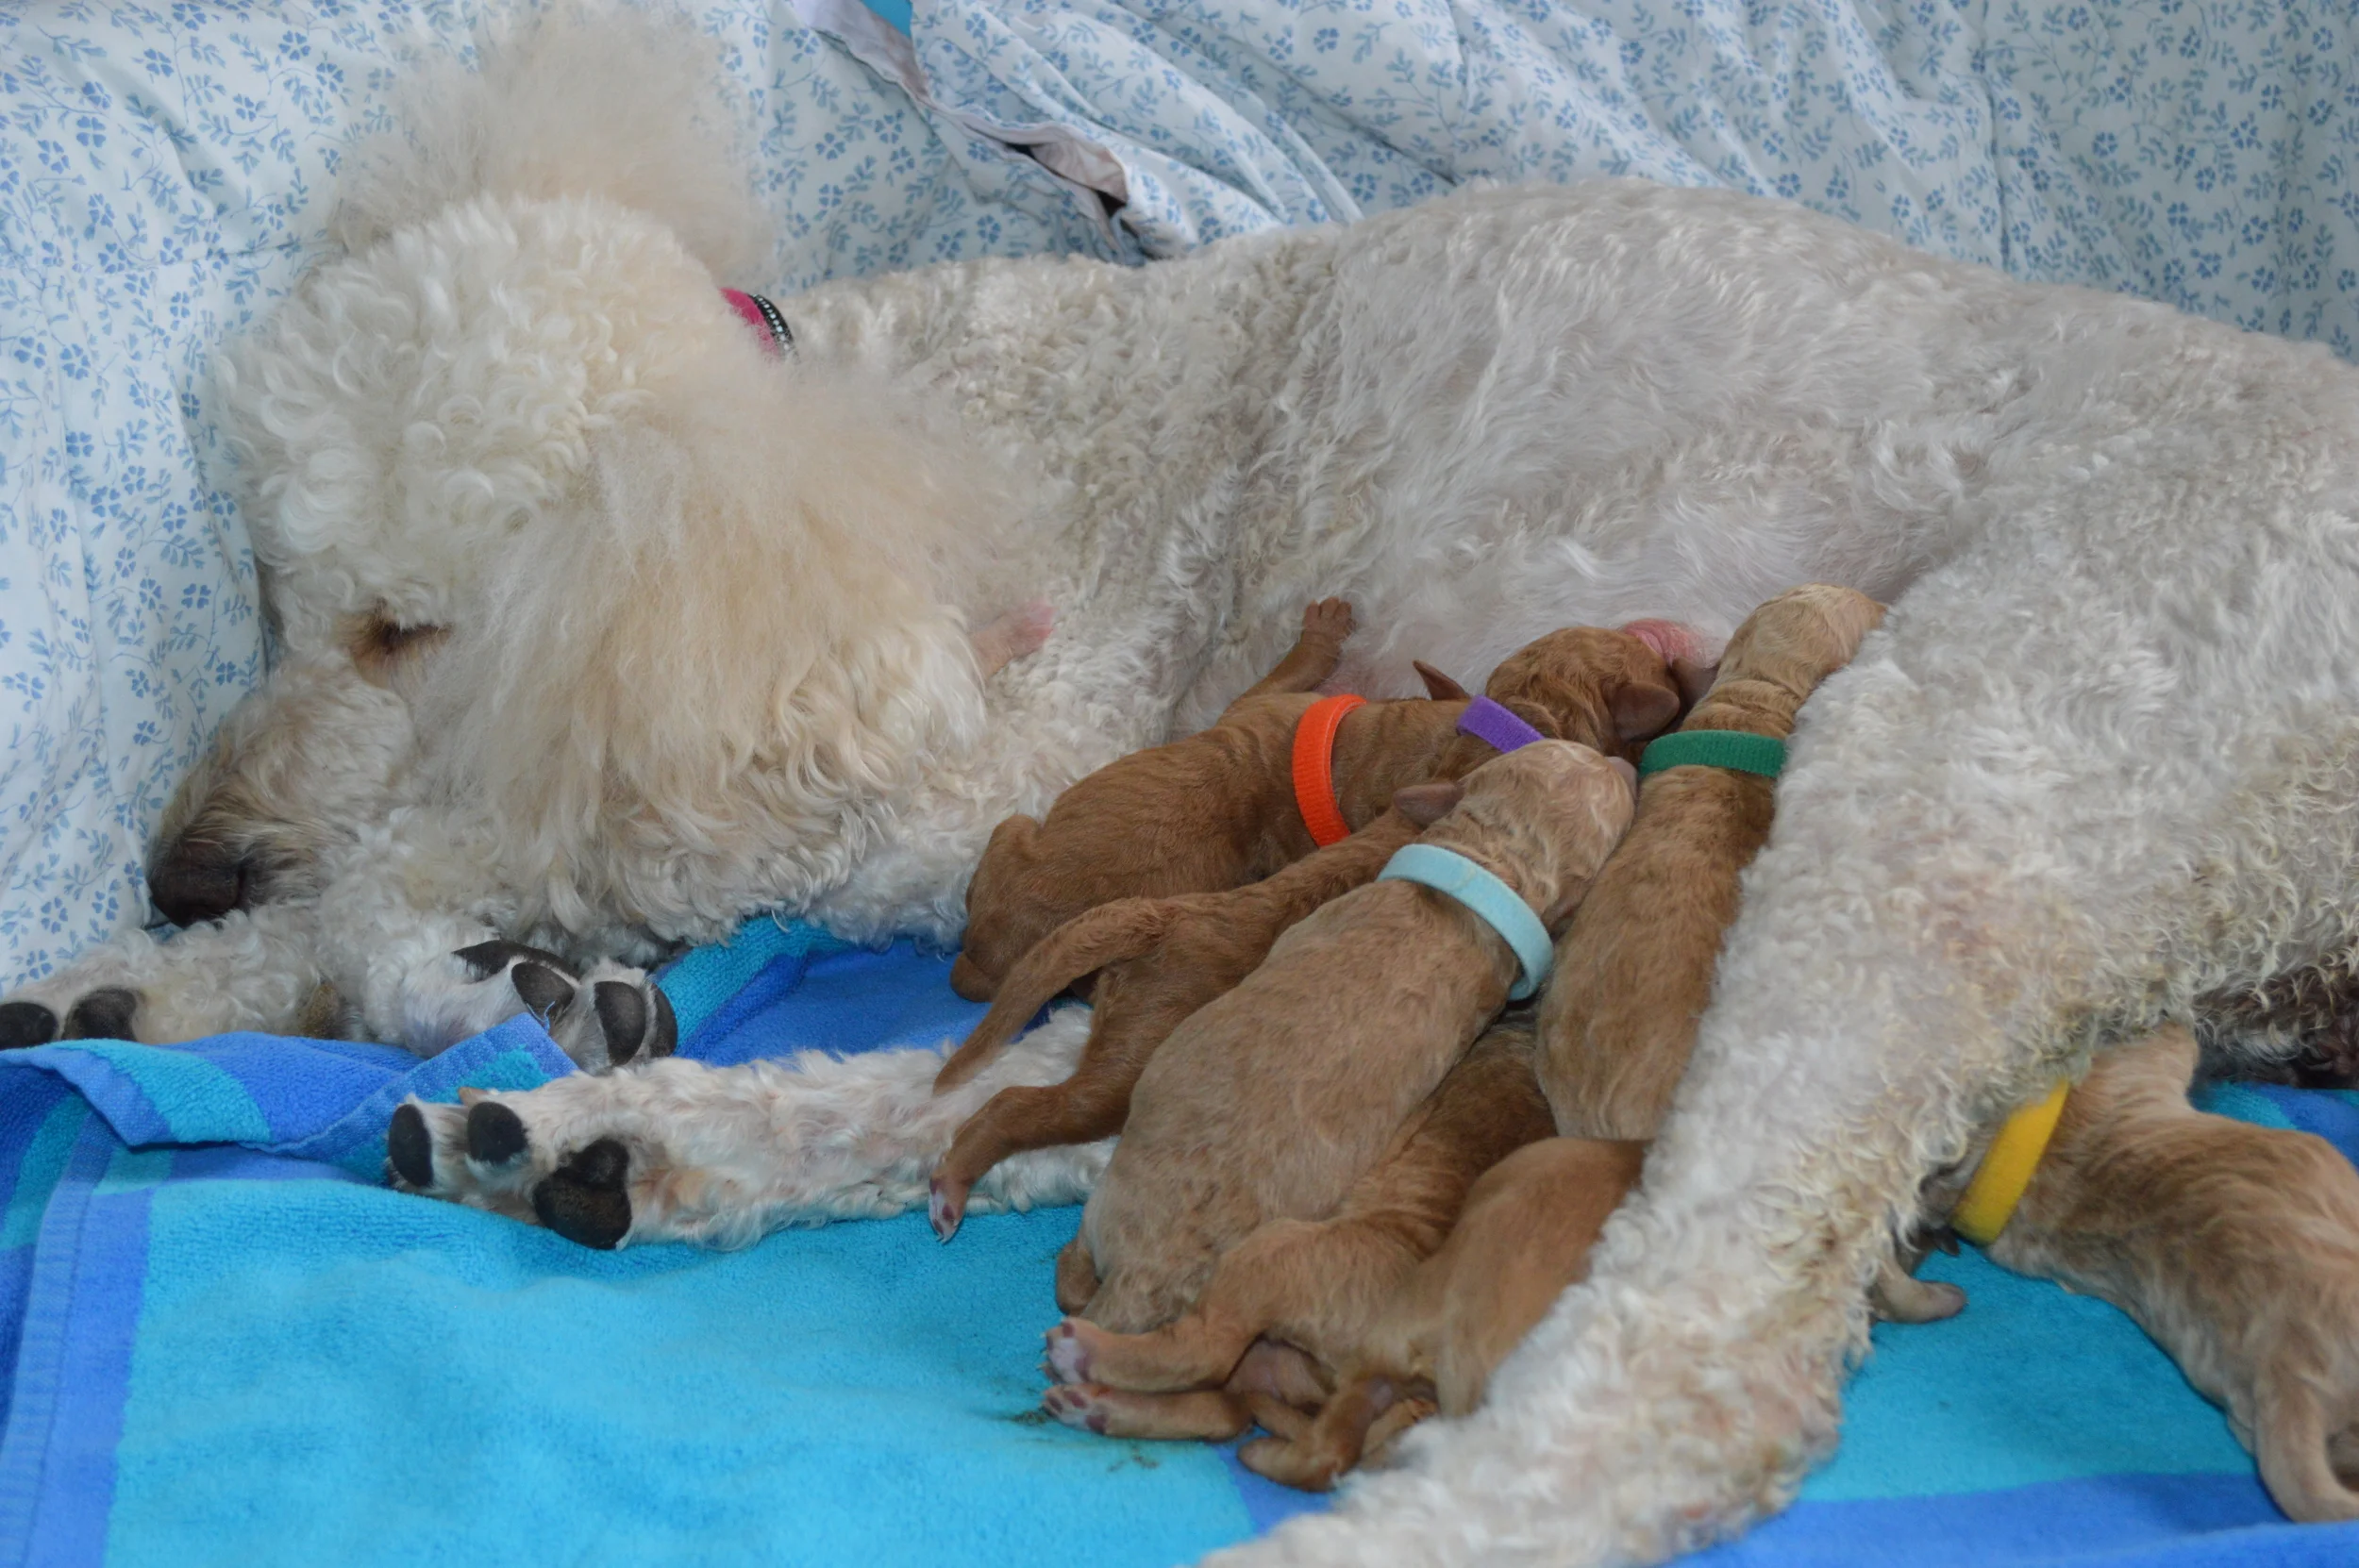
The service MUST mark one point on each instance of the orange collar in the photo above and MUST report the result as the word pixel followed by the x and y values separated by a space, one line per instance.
pixel 1314 768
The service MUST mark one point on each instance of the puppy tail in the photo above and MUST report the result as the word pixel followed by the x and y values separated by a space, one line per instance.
pixel 2291 1444
pixel 585 98
pixel 1089 941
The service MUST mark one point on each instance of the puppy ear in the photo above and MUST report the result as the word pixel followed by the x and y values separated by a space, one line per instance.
pixel 1427 804
pixel 1695 679
pixel 1437 685
pixel 1641 712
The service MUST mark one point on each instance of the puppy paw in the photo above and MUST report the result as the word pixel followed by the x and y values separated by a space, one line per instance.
pixel 1897 1296
pixel 1067 1355
pixel 605 1019
pixel 1328 620
pixel 945 1206
pixel 1082 1406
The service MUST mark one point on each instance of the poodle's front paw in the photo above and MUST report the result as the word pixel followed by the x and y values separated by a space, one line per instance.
pixel 611 1016
pixel 105 1013
pixel 484 1153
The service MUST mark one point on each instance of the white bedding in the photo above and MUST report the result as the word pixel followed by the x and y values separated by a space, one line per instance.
pixel 165 170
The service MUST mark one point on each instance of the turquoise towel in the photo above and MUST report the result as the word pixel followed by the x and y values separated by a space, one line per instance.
pixel 228 1343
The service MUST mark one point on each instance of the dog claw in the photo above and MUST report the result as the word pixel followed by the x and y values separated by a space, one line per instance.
pixel 495 1134
pixel 104 1014
pixel 944 1209
pixel 584 1200
pixel 410 1146
pixel 24 1023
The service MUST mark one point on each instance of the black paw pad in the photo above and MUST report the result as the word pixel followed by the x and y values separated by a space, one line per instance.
pixel 584 1199
pixel 543 989
pixel 24 1023
pixel 495 1134
pixel 104 1014
pixel 487 959
pixel 410 1146
pixel 622 1018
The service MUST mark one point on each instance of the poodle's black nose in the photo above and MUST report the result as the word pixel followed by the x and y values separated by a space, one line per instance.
pixel 193 880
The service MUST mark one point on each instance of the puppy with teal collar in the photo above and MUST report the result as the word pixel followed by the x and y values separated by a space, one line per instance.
pixel 1271 1101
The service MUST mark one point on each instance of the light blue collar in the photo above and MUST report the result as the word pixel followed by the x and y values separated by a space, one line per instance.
pixel 1500 907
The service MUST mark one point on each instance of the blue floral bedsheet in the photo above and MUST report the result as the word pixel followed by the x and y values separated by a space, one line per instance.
pixel 165 170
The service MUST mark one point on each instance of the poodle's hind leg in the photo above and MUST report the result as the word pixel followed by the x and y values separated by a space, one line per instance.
pixel 257 970
pixel 673 1150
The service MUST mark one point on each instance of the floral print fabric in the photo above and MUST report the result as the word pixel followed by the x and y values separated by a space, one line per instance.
pixel 165 172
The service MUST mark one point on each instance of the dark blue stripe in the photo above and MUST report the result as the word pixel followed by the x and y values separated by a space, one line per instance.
pixel 2153 1521
pixel 73 1364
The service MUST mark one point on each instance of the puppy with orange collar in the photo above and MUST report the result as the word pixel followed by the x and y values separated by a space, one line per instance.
pixel 1158 959
pixel 1281 772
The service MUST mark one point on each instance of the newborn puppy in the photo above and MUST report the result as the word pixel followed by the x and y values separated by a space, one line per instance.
pixel 2235 1246
pixel 1525 1235
pixel 1157 960
pixel 1221 807
pixel 1634 971
pixel 1271 1101
pixel 1316 1286
pixel 1199 814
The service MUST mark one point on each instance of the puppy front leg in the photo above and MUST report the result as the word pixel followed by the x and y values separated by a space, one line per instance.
pixel 1326 625
pixel 673 1150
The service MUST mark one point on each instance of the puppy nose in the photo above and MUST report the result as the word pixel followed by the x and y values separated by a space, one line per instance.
pixel 192 881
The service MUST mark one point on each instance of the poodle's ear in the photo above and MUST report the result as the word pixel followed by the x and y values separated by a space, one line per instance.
pixel 748 657
pixel 1427 804
pixel 1437 685
pixel 1641 709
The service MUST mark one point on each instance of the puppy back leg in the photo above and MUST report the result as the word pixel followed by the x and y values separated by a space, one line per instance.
pixel 1209 1415
pixel 1089 1105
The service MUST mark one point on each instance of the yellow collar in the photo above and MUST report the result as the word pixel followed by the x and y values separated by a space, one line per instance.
pixel 2006 1170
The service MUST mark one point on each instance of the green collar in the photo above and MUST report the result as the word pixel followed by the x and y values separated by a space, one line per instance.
pixel 1714 748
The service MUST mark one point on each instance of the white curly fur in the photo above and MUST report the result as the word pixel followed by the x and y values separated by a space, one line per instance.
pixel 706 656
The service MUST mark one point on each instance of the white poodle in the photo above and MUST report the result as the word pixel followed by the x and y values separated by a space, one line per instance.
pixel 604 625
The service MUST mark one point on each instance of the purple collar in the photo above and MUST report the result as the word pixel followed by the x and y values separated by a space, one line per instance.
pixel 1489 722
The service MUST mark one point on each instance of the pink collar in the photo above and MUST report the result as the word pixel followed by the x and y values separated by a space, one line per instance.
pixel 763 317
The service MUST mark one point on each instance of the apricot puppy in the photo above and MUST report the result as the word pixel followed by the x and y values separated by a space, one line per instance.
pixel 1634 971
pixel 1315 1286
pixel 1157 960
pixel 1271 1101
pixel 2235 1246
pixel 1219 809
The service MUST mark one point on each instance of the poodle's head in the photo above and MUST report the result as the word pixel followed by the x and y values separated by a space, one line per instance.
pixel 290 777
pixel 553 539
